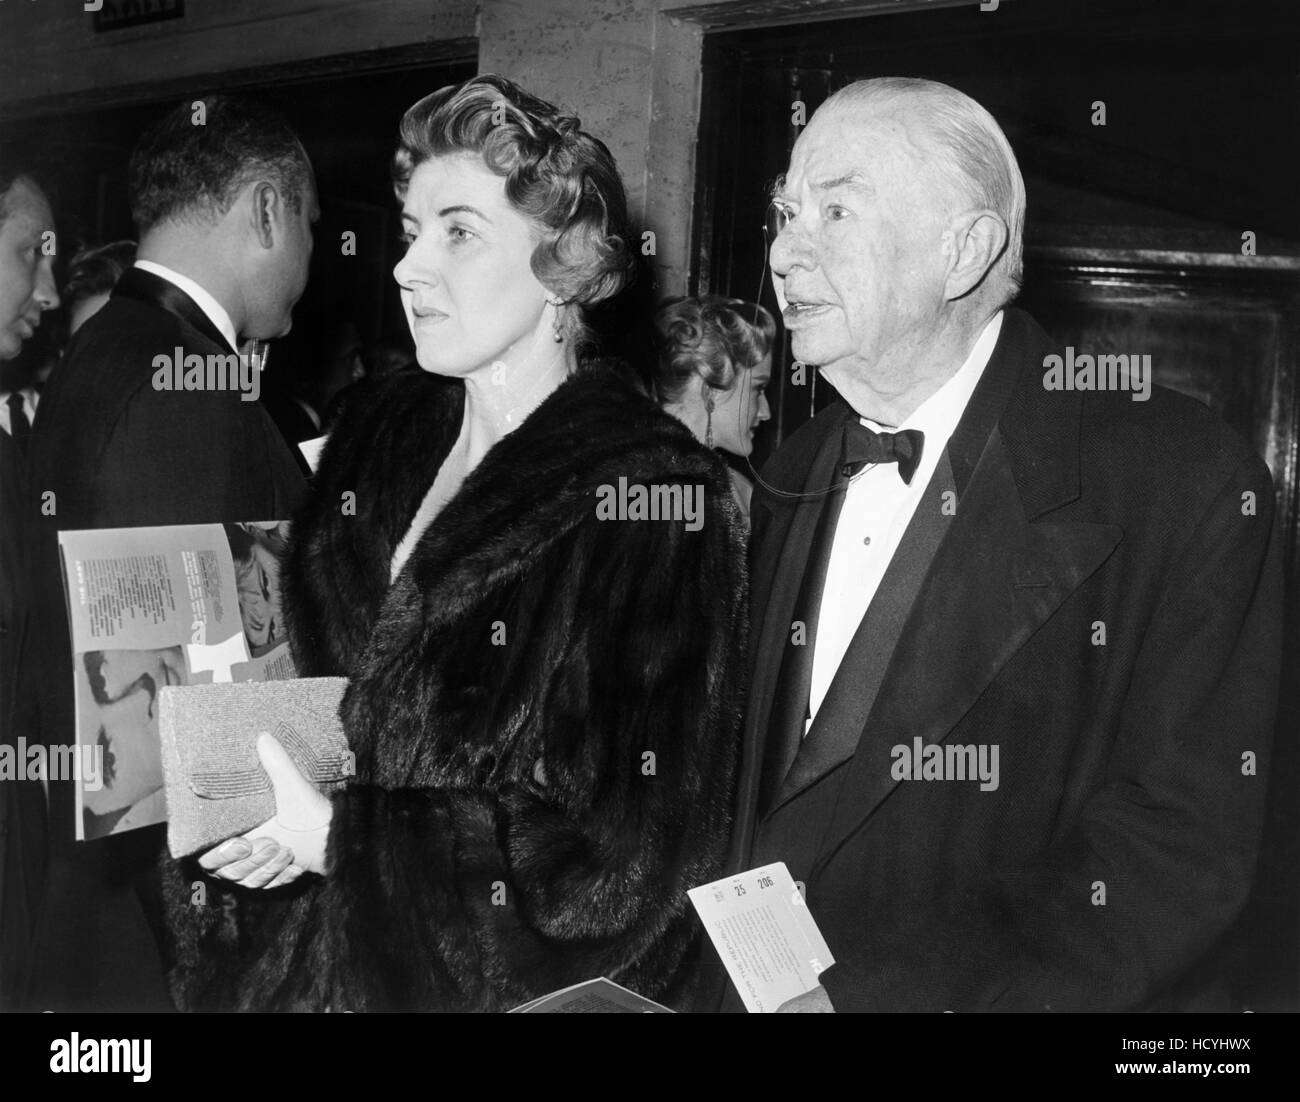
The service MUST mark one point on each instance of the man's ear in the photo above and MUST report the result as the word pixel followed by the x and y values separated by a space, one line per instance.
pixel 976 240
pixel 267 212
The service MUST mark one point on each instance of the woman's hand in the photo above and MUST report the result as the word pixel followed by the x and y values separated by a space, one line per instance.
pixel 286 846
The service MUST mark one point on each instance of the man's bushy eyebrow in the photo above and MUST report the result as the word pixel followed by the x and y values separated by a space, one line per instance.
pixel 853 179
pixel 849 179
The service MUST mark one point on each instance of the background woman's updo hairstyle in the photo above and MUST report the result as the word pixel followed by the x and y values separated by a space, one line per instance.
pixel 711 337
pixel 556 174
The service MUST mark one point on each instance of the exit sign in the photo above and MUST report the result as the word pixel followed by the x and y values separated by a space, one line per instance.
pixel 113 15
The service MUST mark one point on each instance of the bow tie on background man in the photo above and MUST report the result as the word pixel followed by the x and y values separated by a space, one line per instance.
pixel 863 446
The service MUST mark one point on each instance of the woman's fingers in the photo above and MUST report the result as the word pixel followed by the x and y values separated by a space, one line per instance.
pixel 261 878
pixel 288 876
pixel 255 863
pixel 264 850
pixel 225 853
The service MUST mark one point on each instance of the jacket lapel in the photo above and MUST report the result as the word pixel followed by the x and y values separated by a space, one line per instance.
pixel 995 580
pixel 783 559
pixel 780 561
pixel 838 726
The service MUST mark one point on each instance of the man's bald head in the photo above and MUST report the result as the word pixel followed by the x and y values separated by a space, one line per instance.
pixel 963 141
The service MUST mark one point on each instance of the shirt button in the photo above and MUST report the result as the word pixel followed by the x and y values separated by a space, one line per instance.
pixel 866 541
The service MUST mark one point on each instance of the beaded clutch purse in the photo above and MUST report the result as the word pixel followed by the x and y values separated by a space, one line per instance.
pixel 215 784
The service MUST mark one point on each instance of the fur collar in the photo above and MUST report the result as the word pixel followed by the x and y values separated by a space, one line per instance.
pixel 530 490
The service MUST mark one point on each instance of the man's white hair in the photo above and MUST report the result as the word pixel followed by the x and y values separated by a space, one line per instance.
pixel 970 147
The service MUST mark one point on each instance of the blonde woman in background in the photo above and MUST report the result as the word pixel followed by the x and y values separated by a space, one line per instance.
pixel 713 365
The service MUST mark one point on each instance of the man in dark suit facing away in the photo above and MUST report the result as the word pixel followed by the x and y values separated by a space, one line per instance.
pixel 1014 675
pixel 224 199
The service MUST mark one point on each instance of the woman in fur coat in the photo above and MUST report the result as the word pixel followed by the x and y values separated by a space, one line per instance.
pixel 545 691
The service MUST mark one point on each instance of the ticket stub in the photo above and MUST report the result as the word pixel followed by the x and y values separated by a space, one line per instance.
pixel 764 933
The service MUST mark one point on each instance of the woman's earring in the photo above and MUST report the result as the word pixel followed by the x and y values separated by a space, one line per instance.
pixel 708 425
pixel 558 330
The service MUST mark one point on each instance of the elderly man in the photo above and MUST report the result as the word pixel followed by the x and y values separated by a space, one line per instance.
pixel 224 198
pixel 1016 648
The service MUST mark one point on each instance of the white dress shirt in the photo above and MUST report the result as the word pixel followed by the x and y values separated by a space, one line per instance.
pixel 878 506
pixel 29 407
pixel 215 312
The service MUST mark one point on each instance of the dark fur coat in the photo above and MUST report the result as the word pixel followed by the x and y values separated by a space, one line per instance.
pixel 528 813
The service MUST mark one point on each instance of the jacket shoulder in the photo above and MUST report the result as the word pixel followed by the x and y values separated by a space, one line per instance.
pixel 107 369
pixel 1174 430
pixel 1151 448
pixel 1165 463
pixel 113 353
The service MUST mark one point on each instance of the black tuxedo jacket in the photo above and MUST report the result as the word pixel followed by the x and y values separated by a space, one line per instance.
pixel 22 802
pixel 1103 604
pixel 118 453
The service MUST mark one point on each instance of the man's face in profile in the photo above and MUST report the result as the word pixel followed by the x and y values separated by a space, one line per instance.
pixel 859 265
pixel 26 272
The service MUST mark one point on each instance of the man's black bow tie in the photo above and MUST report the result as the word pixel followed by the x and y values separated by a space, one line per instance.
pixel 863 445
